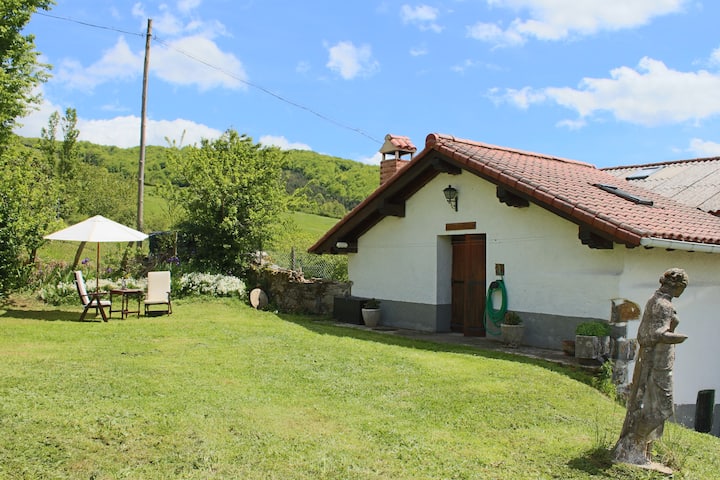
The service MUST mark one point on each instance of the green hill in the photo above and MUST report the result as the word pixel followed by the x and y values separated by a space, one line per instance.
pixel 318 184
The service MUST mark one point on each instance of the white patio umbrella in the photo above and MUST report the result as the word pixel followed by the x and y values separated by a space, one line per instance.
pixel 97 229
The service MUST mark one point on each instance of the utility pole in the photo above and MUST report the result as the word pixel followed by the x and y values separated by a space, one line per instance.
pixel 143 114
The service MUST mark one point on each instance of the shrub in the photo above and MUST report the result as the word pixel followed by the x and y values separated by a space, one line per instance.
pixel 593 329
pixel 603 381
pixel 373 303
pixel 208 284
pixel 512 318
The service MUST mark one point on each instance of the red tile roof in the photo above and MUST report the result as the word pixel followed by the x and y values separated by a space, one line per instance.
pixel 397 142
pixel 565 187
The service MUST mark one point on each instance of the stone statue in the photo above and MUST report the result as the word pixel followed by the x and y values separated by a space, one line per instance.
pixel 651 395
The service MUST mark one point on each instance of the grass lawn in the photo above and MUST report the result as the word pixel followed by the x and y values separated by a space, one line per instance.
pixel 219 390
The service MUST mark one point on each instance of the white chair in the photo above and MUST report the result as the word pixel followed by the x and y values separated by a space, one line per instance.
pixel 90 300
pixel 158 292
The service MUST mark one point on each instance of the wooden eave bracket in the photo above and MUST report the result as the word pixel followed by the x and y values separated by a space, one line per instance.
pixel 443 166
pixel 511 199
pixel 593 239
pixel 392 209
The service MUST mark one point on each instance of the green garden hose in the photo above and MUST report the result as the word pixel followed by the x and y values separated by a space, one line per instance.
pixel 496 316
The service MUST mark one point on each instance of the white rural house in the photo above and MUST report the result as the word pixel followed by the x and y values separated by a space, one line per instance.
pixel 571 242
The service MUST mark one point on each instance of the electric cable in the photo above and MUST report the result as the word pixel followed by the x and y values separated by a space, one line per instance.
pixel 224 72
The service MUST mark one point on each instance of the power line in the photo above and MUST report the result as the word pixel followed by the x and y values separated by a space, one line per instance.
pixel 87 24
pixel 266 91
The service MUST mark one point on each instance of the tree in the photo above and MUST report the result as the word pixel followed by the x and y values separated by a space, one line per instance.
pixel 233 195
pixel 20 70
pixel 27 210
pixel 69 149
pixel 48 144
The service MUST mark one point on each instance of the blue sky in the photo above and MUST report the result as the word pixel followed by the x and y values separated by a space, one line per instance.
pixel 609 82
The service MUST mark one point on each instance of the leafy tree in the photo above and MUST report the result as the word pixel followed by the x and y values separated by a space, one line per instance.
pixel 70 134
pixel 98 192
pixel 233 195
pixel 27 211
pixel 48 144
pixel 20 70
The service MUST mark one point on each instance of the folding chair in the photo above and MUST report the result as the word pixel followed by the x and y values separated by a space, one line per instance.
pixel 158 292
pixel 90 300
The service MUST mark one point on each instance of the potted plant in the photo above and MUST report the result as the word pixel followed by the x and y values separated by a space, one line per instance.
pixel 512 329
pixel 592 341
pixel 371 312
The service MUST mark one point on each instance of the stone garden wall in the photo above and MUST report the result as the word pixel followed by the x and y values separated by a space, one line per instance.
pixel 289 292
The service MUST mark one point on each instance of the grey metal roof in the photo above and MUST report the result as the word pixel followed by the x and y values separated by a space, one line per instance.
pixel 695 183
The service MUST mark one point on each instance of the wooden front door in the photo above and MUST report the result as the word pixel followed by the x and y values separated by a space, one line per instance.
pixel 468 285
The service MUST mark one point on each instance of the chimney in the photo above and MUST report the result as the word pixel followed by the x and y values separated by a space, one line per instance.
pixel 393 150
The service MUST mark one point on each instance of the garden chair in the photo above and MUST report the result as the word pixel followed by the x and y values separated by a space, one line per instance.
pixel 158 292
pixel 91 300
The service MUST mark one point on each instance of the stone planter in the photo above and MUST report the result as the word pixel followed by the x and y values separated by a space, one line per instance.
pixel 371 316
pixel 512 335
pixel 591 349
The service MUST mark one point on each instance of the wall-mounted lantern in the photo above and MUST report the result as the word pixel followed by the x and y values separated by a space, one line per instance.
pixel 451 195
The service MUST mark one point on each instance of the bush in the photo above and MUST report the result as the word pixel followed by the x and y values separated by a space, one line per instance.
pixel 593 329
pixel 512 318
pixel 208 284
pixel 603 381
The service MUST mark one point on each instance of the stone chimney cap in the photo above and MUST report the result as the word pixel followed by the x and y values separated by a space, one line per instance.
pixel 394 143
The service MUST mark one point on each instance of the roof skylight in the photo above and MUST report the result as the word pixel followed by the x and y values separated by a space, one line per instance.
pixel 623 194
pixel 643 173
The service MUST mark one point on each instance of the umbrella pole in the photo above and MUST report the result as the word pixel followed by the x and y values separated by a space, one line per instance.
pixel 97 272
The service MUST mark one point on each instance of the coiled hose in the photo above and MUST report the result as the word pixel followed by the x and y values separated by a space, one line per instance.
pixel 495 316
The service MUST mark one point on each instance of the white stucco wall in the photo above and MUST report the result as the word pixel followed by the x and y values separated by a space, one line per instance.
pixel 408 259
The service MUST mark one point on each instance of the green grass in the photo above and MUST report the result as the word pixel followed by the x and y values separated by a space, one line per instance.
pixel 315 225
pixel 219 390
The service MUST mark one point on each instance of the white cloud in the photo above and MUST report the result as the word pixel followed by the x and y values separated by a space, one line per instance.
pixel 38 118
pixel 191 60
pixel 186 6
pixel 282 143
pixel 468 64
pixel 423 16
pixel 351 61
pixel 186 62
pixel 572 124
pixel 121 131
pixel 650 94
pixel 418 51
pixel 491 33
pixel 186 54
pixel 559 19
pixel 117 63
pixel 125 131
pixel 521 98
pixel 373 159
pixel 715 57
pixel 704 148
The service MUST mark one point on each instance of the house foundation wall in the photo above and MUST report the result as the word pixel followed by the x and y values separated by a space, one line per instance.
pixel 685 415
pixel 415 316
pixel 543 330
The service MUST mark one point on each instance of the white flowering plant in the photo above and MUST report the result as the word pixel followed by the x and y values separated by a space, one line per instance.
pixel 216 285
